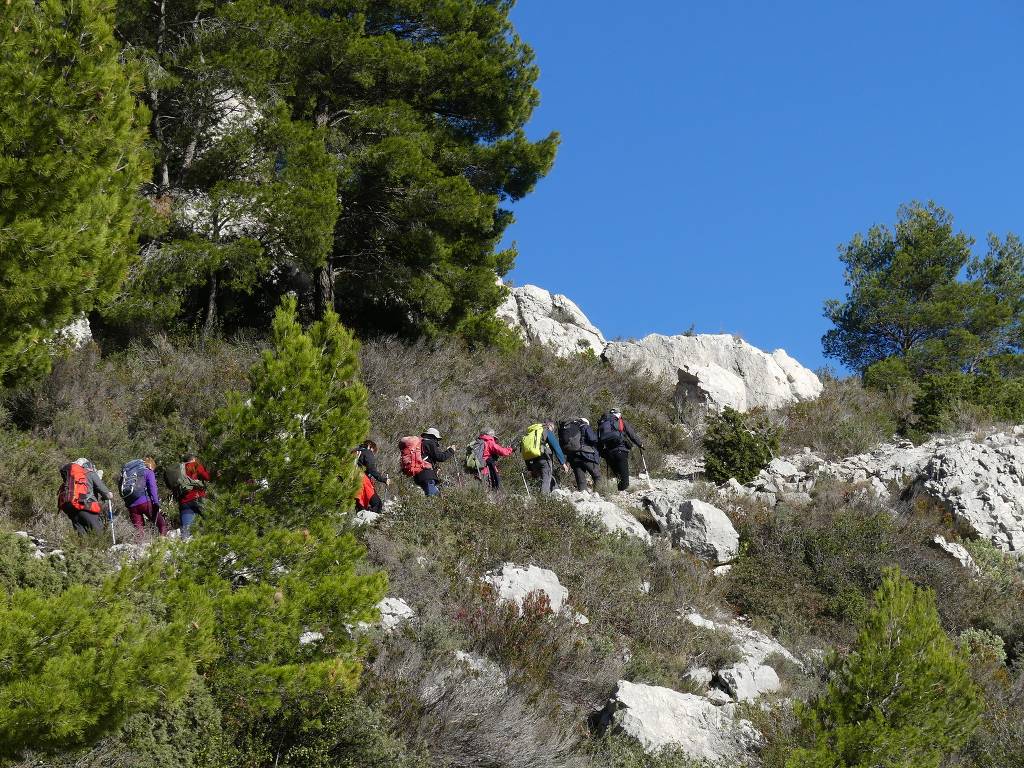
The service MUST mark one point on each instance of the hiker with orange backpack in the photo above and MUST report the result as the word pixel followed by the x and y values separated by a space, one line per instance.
pixel 615 439
pixel 367 498
pixel 420 456
pixel 81 494
pixel 492 451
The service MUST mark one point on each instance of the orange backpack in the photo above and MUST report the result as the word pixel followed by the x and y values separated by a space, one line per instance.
pixel 366 493
pixel 74 491
pixel 411 456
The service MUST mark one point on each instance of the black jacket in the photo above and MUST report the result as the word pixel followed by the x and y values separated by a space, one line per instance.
pixel 630 441
pixel 368 461
pixel 589 451
pixel 435 454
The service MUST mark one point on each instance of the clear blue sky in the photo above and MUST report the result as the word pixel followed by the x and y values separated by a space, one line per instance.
pixel 715 153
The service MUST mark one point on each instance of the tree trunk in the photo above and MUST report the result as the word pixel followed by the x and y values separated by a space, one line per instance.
pixel 325 289
pixel 211 308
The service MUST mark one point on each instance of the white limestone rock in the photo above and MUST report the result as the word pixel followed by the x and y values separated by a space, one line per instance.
pixel 747 682
pixel 72 336
pixel 550 319
pixel 659 717
pixel 695 526
pixel 514 582
pixel 958 552
pixel 610 515
pixel 394 612
pixel 717 370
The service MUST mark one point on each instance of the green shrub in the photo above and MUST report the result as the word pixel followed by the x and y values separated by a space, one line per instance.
pixel 738 445
pixel 903 695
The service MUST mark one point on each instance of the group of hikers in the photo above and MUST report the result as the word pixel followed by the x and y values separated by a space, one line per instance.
pixel 572 444
pixel 83 493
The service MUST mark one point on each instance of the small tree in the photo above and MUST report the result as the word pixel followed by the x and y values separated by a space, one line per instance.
pixel 71 164
pixel 738 445
pixel 275 549
pixel 902 697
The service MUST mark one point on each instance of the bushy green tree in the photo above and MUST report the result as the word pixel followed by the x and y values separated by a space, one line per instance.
pixel 903 696
pixel 915 294
pixel 738 445
pixel 421 103
pixel 275 550
pixel 75 665
pixel 71 164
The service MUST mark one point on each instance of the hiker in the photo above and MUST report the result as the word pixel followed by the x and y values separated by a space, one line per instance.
pixel 187 480
pixel 615 439
pixel 140 494
pixel 540 446
pixel 368 498
pixel 492 451
pixel 81 494
pixel 420 457
pixel 579 441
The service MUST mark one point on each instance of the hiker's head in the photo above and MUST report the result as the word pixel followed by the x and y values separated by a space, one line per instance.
pixel 489 432
pixel 434 432
pixel 615 412
pixel 149 461
pixel 585 420
pixel 188 457
pixel 85 464
pixel 371 446
pixel 549 425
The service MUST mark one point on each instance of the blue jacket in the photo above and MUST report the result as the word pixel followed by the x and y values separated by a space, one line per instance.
pixel 552 440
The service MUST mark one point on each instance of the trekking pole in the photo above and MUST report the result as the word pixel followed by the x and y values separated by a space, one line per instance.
pixel 526 485
pixel 647 472
pixel 110 514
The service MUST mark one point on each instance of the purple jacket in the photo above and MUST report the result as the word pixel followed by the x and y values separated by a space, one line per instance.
pixel 152 492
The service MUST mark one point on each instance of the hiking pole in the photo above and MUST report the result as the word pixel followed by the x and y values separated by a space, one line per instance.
pixel 110 513
pixel 647 472
pixel 526 485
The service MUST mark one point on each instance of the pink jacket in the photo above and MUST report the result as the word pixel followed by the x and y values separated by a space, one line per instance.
pixel 492 448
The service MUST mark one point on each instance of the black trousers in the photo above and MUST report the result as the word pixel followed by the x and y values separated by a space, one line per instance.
pixel 582 468
pixel 84 522
pixel 619 462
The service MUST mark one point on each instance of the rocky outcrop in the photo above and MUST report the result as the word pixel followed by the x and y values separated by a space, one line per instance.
pixel 717 370
pixel 694 525
pixel 514 583
pixel 750 677
pixel 958 552
pixel 610 515
pixel 550 319
pixel 659 717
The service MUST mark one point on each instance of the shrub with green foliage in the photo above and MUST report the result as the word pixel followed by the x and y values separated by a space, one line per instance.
pixel 738 445
pixel 902 696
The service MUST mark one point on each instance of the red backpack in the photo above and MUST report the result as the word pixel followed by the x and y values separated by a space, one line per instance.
pixel 366 493
pixel 411 451
pixel 74 491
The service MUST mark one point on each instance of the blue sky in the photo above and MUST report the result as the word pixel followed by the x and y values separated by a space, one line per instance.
pixel 715 153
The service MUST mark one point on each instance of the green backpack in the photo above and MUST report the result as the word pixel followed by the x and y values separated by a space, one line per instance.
pixel 533 442
pixel 475 456
pixel 179 482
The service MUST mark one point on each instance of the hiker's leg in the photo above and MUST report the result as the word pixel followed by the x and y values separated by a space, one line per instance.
pixel 87 522
pixel 188 516
pixel 492 474
pixel 139 513
pixel 431 488
pixel 160 520
pixel 546 477
pixel 376 504
pixel 620 466
pixel 579 473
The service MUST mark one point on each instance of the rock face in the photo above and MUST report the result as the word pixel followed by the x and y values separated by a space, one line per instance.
pixel 660 717
pixel 982 486
pixel 611 516
pixel 717 370
pixel 958 552
pixel 550 319
pixel 394 612
pixel 695 526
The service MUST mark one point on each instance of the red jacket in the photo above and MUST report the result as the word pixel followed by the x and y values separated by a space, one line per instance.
pixel 494 449
pixel 196 471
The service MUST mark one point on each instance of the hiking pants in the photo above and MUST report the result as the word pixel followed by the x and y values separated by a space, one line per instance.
pixel 189 511
pixel 619 463
pixel 140 512
pixel 492 474
pixel 581 468
pixel 542 468
pixel 427 483
pixel 84 522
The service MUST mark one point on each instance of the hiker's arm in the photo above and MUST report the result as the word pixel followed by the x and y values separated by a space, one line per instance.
pixel 370 465
pixel 502 450
pixel 553 442
pixel 202 473
pixel 151 488
pixel 632 436
pixel 99 486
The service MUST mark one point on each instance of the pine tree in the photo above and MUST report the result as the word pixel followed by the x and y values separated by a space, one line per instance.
pixel 71 163
pixel 903 697
pixel 275 549
pixel 75 665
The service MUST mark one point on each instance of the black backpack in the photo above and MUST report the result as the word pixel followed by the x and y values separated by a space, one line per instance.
pixel 570 435
pixel 133 481
pixel 610 434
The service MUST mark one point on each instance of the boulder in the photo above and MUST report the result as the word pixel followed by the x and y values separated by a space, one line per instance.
pixel 394 612
pixel 695 526
pixel 610 515
pixel 514 582
pixel 717 370
pixel 747 682
pixel 958 552
pixel 659 717
pixel 550 319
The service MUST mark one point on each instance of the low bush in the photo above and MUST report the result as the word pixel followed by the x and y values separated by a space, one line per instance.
pixel 738 445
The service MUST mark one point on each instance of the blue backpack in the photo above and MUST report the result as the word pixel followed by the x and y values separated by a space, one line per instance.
pixel 133 481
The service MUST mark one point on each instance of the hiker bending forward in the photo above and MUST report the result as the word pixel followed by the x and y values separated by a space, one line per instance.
pixel 81 494
pixel 420 457
pixel 493 450
pixel 616 439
